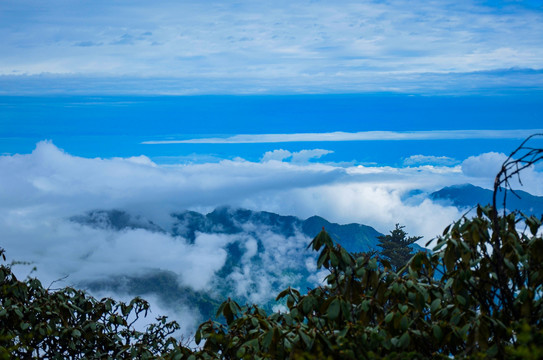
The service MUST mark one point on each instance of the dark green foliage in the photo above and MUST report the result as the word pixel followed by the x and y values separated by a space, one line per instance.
pixel 486 304
pixel 160 282
pixel 396 247
pixel 36 323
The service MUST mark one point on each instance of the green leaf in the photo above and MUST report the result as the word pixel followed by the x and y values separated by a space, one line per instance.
pixel 346 257
pixel 450 258
pixel 290 301
pixel 282 294
pixel 492 351
pixel 404 340
pixel 267 340
pixel 436 304
pixel 389 317
pixel 254 322
pixel 438 333
pixel 334 260
pixel 464 330
pixel 404 323
pixel 240 352
pixel 253 344
pixel 509 264
pixel 323 257
pixel 221 308
pixel 306 339
pixel 18 313
pixel 333 309
pixel 308 303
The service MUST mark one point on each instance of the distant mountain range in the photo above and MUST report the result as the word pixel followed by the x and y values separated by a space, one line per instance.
pixel 353 237
pixel 266 253
pixel 467 195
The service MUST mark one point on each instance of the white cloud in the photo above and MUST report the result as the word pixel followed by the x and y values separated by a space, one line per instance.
pixel 41 190
pixel 258 46
pixel 356 136
pixel 487 165
pixel 278 155
pixel 429 159
pixel 484 165
pixel 378 204
pixel 302 156
pixel 305 155
pixel 49 184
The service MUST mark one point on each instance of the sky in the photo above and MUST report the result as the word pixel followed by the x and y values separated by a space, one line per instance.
pixel 248 47
pixel 351 110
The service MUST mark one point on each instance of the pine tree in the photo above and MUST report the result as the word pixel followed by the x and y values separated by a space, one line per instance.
pixel 396 247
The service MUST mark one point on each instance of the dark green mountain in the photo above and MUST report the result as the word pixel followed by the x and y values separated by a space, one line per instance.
pixel 353 237
pixel 226 220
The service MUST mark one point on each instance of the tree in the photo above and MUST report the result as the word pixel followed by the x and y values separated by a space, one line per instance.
pixel 456 301
pixel 396 247
pixel 37 323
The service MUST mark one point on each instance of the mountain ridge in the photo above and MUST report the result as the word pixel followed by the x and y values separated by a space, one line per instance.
pixel 468 195
pixel 265 253
pixel 228 220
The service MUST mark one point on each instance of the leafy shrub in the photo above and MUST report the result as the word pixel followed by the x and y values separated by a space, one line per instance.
pixel 68 323
pixel 487 302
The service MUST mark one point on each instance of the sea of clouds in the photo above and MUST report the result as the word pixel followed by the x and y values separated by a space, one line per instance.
pixel 40 191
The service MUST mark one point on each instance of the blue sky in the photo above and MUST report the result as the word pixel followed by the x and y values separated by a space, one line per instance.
pixel 383 129
pixel 251 47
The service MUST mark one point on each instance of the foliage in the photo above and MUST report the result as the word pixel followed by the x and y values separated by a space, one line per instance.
pixel 484 305
pixel 38 323
pixel 396 247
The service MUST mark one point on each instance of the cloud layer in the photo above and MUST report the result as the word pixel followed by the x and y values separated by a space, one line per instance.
pixel 40 191
pixel 294 46
pixel 51 180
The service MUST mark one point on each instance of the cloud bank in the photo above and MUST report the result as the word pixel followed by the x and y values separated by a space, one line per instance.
pixel 40 191
pixel 254 47
pixel 50 181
